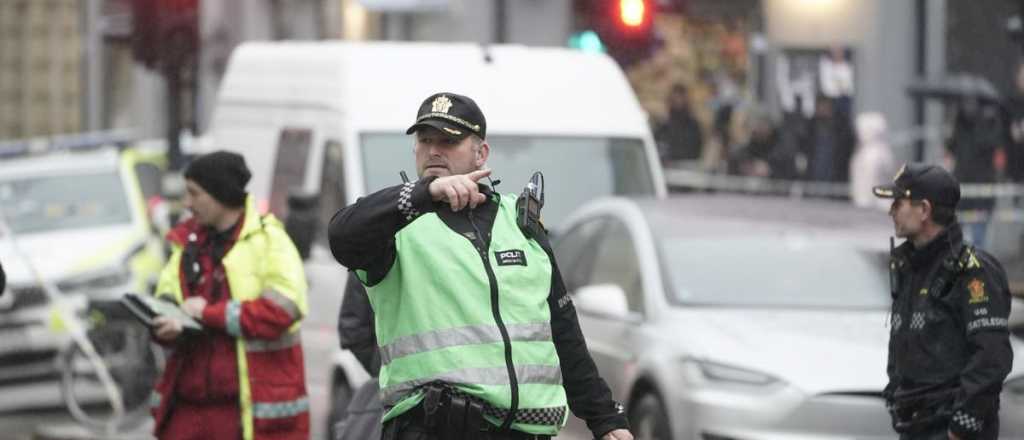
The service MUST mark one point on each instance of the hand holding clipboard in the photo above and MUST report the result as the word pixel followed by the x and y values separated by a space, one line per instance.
pixel 148 310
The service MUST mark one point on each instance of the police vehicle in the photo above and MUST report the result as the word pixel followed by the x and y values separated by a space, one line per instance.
pixel 77 214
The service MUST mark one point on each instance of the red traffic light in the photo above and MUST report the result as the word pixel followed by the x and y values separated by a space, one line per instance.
pixel 633 13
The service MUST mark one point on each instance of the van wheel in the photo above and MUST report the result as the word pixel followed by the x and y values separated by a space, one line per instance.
pixel 341 395
pixel 648 419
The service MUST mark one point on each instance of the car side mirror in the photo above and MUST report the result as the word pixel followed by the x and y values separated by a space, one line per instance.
pixel 301 224
pixel 604 300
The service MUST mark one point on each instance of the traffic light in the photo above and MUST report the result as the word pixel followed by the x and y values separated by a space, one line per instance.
pixel 625 28
pixel 165 33
pixel 165 38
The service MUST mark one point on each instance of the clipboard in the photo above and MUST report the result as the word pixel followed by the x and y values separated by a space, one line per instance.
pixel 146 308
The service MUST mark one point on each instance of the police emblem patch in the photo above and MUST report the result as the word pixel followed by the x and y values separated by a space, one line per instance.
pixel 977 288
pixel 899 173
pixel 441 104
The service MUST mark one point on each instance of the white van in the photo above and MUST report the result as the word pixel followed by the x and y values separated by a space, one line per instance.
pixel 329 118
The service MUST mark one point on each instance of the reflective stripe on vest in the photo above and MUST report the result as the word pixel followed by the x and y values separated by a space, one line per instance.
pixel 526 374
pixel 155 399
pixel 467 335
pixel 283 302
pixel 278 410
pixel 286 340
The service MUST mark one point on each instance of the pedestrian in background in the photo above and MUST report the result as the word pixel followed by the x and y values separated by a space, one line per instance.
pixel 1014 131
pixel 872 164
pixel 240 276
pixel 977 133
pixel 949 348
pixel 478 338
pixel 680 135
pixel 829 143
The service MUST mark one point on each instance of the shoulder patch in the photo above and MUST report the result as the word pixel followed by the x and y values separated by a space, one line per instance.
pixel 977 289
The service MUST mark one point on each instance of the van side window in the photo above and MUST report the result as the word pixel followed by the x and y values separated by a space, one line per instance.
pixel 332 185
pixel 290 167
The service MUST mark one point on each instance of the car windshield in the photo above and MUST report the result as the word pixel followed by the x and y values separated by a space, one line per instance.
pixel 796 271
pixel 37 204
pixel 576 169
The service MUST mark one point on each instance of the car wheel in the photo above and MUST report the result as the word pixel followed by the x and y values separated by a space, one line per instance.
pixel 341 395
pixel 648 419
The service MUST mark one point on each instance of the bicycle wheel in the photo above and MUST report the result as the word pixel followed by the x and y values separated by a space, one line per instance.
pixel 134 364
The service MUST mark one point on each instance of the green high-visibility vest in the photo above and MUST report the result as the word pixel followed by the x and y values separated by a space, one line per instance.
pixel 443 313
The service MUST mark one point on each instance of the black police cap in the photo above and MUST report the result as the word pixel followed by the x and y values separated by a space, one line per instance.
pixel 456 115
pixel 918 181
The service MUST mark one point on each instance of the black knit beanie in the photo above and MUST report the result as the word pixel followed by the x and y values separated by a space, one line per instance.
pixel 223 175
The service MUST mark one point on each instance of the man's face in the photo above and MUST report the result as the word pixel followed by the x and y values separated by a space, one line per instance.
pixel 440 155
pixel 907 217
pixel 206 209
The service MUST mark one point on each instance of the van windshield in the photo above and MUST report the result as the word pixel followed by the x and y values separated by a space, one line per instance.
pixel 576 169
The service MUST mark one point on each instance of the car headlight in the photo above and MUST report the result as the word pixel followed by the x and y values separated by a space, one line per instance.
pixel 96 281
pixel 722 373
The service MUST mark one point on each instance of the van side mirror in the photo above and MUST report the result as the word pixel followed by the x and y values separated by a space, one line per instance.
pixel 301 224
pixel 604 300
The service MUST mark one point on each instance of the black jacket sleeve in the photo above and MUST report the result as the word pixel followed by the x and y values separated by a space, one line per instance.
pixel 356 331
pixel 362 235
pixel 589 396
pixel 984 297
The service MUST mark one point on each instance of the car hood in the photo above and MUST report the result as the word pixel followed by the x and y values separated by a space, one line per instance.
pixel 61 254
pixel 815 350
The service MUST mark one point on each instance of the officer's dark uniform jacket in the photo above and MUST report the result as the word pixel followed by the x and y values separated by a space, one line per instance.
pixel 949 349
pixel 362 236
pixel 356 331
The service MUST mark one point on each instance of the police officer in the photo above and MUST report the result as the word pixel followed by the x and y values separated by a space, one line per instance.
pixel 949 348
pixel 477 336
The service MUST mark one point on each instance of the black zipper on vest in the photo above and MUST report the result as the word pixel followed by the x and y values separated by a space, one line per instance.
pixel 481 248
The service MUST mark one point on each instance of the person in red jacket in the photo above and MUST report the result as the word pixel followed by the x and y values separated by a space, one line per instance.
pixel 240 276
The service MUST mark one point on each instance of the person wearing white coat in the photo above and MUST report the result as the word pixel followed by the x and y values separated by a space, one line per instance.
pixel 872 163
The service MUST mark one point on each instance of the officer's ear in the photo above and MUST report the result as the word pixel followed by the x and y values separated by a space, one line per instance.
pixel 482 153
pixel 928 210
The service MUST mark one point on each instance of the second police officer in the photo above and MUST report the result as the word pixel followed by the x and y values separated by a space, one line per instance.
pixel 949 348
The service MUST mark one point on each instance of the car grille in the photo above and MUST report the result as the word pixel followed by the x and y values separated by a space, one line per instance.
pixel 23 297
pixel 27 366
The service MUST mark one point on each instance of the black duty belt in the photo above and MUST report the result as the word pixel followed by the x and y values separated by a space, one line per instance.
pixel 453 416
pixel 922 412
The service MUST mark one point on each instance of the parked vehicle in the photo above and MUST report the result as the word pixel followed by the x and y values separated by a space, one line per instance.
pixel 80 219
pixel 321 124
pixel 732 317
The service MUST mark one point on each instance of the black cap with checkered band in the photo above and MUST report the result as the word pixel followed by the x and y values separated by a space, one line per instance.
pixel 456 115
pixel 918 181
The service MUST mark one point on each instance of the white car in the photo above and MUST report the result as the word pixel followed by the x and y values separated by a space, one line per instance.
pixel 741 318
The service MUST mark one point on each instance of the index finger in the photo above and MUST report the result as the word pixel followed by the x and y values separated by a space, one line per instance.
pixel 479 174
